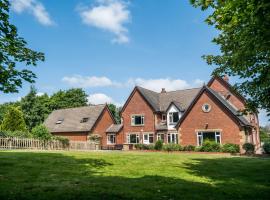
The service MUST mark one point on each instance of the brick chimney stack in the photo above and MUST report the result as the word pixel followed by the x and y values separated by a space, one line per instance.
pixel 226 78
pixel 163 90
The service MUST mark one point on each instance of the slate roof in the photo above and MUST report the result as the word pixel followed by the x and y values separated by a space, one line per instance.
pixel 161 127
pixel 161 101
pixel 72 119
pixel 114 128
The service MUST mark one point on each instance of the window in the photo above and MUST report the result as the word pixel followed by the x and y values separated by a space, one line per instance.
pixel 111 139
pixel 59 121
pixel 163 117
pixel 212 136
pixel 206 107
pixel 173 138
pixel 148 138
pixel 161 136
pixel 137 120
pixel 133 139
pixel 85 119
pixel 173 117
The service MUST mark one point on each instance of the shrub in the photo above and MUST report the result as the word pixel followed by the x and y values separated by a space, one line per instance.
pixel 249 148
pixel 158 145
pixel 198 149
pixel 151 147
pixel 210 146
pixel 20 134
pixel 41 132
pixel 189 148
pixel 230 148
pixel 172 147
pixel 266 146
pixel 63 140
pixel 138 146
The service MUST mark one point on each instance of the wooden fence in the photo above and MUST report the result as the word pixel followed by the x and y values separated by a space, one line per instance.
pixel 29 143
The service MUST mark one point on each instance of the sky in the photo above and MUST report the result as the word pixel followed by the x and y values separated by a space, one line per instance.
pixel 107 47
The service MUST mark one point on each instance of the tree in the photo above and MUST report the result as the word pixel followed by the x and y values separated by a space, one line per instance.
pixel 244 40
pixel 68 99
pixel 4 108
pixel 13 51
pixel 35 108
pixel 13 120
pixel 115 112
pixel 41 132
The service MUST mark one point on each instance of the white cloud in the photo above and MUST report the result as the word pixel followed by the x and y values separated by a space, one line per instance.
pixel 100 98
pixel 40 94
pixel 33 7
pixel 198 82
pixel 109 15
pixel 89 81
pixel 156 84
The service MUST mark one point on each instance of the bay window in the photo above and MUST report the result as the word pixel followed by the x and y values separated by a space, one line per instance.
pixel 173 117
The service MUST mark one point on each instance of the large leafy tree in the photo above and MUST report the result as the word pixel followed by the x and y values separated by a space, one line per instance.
pixel 115 112
pixel 244 40
pixel 14 53
pixel 35 108
pixel 75 97
pixel 13 120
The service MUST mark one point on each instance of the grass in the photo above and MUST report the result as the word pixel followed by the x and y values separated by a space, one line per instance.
pixel 131 175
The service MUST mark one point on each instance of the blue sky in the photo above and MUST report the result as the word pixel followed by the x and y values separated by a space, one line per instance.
pixel 108 46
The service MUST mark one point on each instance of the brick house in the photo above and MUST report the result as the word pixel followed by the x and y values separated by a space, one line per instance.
pixel 78 124
pixel 188 116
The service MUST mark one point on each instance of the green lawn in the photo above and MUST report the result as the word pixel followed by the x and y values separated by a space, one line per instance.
pixel 131 175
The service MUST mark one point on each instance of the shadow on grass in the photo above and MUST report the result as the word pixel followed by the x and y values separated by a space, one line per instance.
pixel 58 176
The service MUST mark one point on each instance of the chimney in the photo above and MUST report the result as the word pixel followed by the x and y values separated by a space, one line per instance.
pixel 163 90
pixel 226 78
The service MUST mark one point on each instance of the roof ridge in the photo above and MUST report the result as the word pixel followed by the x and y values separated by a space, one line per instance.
pixel 80 107
pixel 182 90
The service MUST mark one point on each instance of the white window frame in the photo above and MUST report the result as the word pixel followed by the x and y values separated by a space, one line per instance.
pixel 147 141
pixel 200 137
pixel 171 117
pixel 108 139
pixel 133 120
pixel 137 138
pixel 159 137
pixel 171 136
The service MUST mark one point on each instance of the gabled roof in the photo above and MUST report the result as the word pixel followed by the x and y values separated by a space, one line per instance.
pixel 72 119
pixel 114 128
pixel 159 102
pixel 178 105
pixel 241 119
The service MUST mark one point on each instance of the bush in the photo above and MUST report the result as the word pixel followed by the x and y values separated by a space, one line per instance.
pixel 230 148
pixel 189 148
pixel 198 149
pixel 20 134
pixel 249 148
pixel 41 132
pixel 151 147
pixel 210 146
pixel 63 140
pixel 172 147
pixel 266 146
pixel 138 146
pixel 158 145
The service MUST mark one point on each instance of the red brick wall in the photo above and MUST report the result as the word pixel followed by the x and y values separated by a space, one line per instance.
pixel 219 87
pixel 217 118
pixel 75 136
pixel 137 105
pixel 104 122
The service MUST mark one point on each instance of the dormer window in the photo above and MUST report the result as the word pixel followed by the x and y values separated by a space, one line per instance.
pixel 59 121
pixel 85 119
pixel 173 117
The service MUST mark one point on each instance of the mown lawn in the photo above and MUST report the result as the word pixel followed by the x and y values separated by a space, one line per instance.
pixel 130 175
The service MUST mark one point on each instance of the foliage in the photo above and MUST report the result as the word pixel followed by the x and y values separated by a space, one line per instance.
pixel 230 148
pixel 63 140
pixel 189 148
pixel 138 146
pixel 264 134
pixel 13 120
pixel 171 147
pixel 94 137
pixel 249 148
pixel 14 51
pixel 210 146
pixel 158 145
pixel 266 146
pixel 35 108
pixel 244 38
pixel 71 98
pixel 198 148
pixel 20 134
pixel 115 112
pixel 41 132
pixel 4 108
